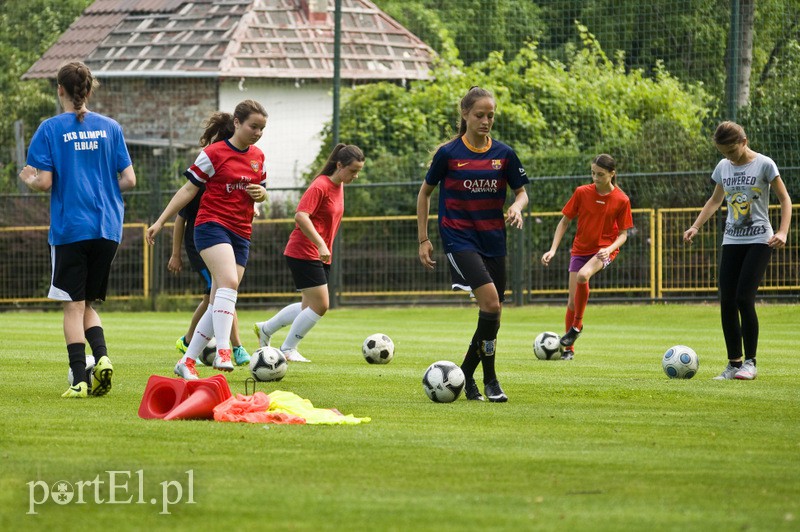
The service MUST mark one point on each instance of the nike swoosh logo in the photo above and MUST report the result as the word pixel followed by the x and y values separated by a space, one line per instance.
pixel 461 164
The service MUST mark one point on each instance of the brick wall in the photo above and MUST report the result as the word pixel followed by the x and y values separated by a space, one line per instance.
pixel 142 106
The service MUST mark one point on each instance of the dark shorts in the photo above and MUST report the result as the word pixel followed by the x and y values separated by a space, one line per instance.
pixel 198 264
pixel 80 270
pixel 576 262
pixel 470 270
pixel 210 234
pixel 308 273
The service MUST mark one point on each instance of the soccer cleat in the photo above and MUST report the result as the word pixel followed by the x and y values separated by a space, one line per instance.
pixel 101 377
pixel 89 368
pixel 186 370
pixel 494 392
pixel 222 361
pixel 263 338
pixel 79 391
pixel 181 345
pixel 748 371
pixel 240 355
pixel 570 336
pixel 293 355
pixel 568 354
pixel 729 373
pixel 471 391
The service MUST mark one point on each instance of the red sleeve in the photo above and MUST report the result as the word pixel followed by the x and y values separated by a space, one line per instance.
pixel 573 206
pixel 624 217
pixel 311 200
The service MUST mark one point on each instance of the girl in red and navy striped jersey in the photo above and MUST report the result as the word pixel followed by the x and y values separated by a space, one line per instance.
pixel 474 171
pixel 308 252
pixel 232 169
pixel 604 217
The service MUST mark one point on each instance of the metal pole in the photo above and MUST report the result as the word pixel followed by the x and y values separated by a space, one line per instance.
pixel 336 265
pixel 733 60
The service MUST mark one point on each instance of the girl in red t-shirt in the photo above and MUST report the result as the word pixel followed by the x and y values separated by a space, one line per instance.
pixel 232 169
pixel 604 217
pixel 308 252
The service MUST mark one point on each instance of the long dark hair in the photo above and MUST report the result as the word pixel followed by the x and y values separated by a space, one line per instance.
pixel 78 82
pixel 219 126
pixel 607 162
pixel 344 154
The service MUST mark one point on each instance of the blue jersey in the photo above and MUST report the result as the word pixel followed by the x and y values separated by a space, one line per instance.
pixel 85 159
pixel 473 193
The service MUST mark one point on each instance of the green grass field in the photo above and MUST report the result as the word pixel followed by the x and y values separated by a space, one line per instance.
pixel 604 442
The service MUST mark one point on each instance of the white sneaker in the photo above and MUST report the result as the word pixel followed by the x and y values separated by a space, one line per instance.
pixel 186 370
pixel 727 374
pixel 293 355
pixel 263 338
pixel 222 361
pixel 748 371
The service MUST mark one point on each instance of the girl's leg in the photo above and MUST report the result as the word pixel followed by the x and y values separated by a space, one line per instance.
pixel 753 268
pixel 485 335
pixel 730 272
pixel 226 275
pixel 315 304
pixel 580 298
pixel 265 329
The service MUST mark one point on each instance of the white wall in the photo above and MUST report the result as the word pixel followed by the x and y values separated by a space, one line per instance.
pixel 297 113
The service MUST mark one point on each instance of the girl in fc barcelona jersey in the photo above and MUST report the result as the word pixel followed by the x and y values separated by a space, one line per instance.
pixel 473 171
pixel 232 169
pixel 604 217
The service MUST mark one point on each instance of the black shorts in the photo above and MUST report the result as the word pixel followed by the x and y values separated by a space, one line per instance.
pixel 197 262
pixel 308 273
pixel 80 270
pixel 470 270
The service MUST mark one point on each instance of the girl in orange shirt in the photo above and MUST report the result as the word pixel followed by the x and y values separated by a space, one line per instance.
pixel 604 217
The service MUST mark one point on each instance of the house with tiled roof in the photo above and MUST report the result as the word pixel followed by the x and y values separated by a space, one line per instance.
pixel 166 65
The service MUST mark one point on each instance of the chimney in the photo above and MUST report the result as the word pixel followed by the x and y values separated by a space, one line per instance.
pixel 315 10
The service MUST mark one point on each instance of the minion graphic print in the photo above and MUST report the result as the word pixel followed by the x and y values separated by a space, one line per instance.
pixel 747 197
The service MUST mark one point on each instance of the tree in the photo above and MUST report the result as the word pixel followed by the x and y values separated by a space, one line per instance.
pixel 27 30
pixel 555 114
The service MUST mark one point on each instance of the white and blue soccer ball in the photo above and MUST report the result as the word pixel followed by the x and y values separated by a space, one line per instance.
pixel 680 362
pixel 443 382
pixel 378 349
pixel 268 364
pixel 209 352
pixel 547 346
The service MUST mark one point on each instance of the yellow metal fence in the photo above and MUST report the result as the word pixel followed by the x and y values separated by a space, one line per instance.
pixel 376 261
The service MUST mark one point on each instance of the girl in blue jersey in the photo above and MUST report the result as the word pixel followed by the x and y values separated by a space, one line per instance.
pixel 81 158
pixel 474 170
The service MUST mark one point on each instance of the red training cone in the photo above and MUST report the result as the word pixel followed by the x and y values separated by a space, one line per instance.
pixel 199 405
pixel 160 396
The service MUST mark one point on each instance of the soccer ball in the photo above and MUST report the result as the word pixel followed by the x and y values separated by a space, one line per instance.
pixel 680 362
pixel 443 382
pixel 378 349
pixel 268 364
pixel 546 346
pixel 209 352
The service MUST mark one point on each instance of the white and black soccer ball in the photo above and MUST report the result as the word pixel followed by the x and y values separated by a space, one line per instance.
pixel 268 364
pixel 443 382
pixel 547 346
pixel 209 352
pixel 378 349
pixel 680 362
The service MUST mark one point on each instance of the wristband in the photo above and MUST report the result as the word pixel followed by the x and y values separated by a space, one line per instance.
pixel 426 240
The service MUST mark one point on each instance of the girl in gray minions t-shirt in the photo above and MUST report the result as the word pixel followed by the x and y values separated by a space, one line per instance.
pixel 743 179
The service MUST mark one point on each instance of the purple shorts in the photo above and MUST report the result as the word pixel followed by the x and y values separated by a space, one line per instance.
pixel 576 262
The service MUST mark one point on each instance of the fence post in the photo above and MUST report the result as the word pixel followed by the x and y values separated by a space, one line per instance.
pixel 334 287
